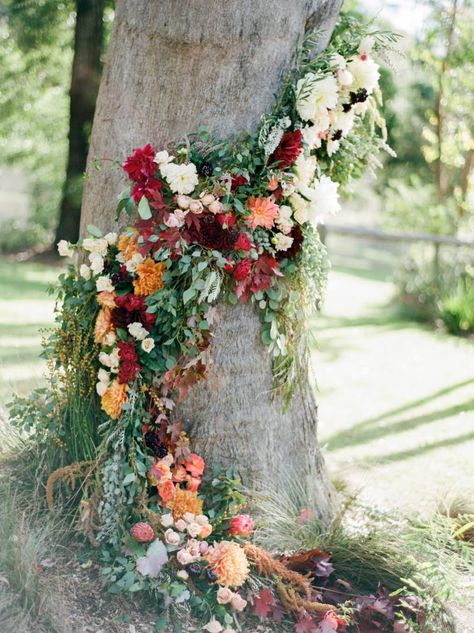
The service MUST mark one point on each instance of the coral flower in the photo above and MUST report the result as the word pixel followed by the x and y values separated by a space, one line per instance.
pixel 106 299
pixel 263 212
pixel 142 532
pixel 159 472
pixel 241 525
pixel 114 398
pixel 150 277
pixel 167 491
pixel 195 465
pixel 103 325
pixel 184 501
pixel 228 560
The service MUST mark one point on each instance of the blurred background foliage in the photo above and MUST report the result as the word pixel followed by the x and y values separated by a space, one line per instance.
pixel 50 59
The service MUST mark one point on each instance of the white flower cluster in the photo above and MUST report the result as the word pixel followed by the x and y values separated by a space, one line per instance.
pixel 324 100
pixel 186 205
pixel 182 178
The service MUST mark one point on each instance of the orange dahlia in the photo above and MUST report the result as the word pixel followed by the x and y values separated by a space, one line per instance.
pixel 184 501
pixel 106 299
pixel 103 325
pixel 262 212
pixel 114 398
pixel 127 244
pixel 150 277
pixel 228 560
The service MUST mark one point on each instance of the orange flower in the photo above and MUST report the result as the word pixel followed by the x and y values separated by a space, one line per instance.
pixel 167 491
pixel 228 560
pixel 273 184
pixel 114 398
pixel 150 277
pixel 127 244
pixel 160 472
pixel 184 501
pixel 103 325
pixel 195 465
pixel 193 483
pixel 106 299
pixel 262 212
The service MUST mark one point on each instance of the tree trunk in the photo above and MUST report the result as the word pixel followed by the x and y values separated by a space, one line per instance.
pixel 85 79
pixel 171 67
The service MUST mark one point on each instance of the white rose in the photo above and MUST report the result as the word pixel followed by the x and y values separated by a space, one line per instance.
pixel 224 595
pixel 135 260
pixel 180 525
pixel 95 245
pixel 104 358
pixel 315 93
pixel 172 537
pixel 282 242
pixel 85 271
pixel 304 169
pixel 110 238
pixel 238 603
pixel 103 376
pixel 216 207
pixel 104 283
pixel 365 73
pixel 137 330
pixel 183 202
pixel 96 263
pixel 194 529
pixel 213 626
pixel 207 198
pixel 181 178
pixel 162 158
pixel 101 388
pixel 176 219
pixel 189 517
pixel 300 207
pixel 184 557
pixel 147 345
pixel 366 45
pixel 337 61
pixel 114 359
pixel 64 249
pixel 167 520
pixel 196 207
pixel 110 338
pixel 183 574
pixel 120 257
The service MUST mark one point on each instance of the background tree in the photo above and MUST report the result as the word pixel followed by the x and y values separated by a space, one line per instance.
pixel 170 68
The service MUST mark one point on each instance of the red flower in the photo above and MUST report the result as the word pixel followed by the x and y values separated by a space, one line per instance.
pixel 227 219
pixel 146 188
pixel 130 302
pixel 128 372
pixel 127 351
pixel 243 243
pixel 238 181
pixel 141 165
pixel 242 270
pixel 229 265
pixel 241 525
pixel 288 150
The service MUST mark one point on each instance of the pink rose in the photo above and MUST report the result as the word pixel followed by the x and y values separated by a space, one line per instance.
pixel 241 525
pixel 224 595
pixel 184 557
pixel 206 530
pixel 172 537
pixel 238 603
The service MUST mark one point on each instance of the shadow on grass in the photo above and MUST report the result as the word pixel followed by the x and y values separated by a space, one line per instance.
pixel 369 429
pixel 25 281
pixel 420 450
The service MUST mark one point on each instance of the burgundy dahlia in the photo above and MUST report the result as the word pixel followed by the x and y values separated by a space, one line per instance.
pixel 211 234
pixel 140 165
pixel 288 149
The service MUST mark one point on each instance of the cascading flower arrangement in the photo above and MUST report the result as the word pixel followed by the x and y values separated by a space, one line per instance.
pixel 234 221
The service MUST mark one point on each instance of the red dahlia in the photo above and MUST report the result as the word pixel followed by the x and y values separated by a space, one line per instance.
pixel 243 243
pixel 140 165
pixel 242 270
pixel 147 188
pixel 288 150
pixel 128 372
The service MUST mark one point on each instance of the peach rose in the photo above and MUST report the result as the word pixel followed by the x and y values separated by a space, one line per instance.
pixel 206 530
pixel 238 603
pixel 224 595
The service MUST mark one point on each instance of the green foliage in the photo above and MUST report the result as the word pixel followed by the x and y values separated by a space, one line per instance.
pixel 457 309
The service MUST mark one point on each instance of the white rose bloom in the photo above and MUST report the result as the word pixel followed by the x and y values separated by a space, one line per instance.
pixel 366 45
pixel 135 260
pixel 311 136
pixel 304 169
pixel 285 226
pixel 105 359
pixel 167 520
pixel 103 376
pixel 284 213
pixel 64 249
pixel 183 202
pixel 85 271
pixel 114 360
pixel 96 263
pixel 137 330
pixel 344 78
pixel 324 199
pixel 162 158
pixel 172 537
pixel 147 345
pixel 183 574
pixel 189 517
pixel 282 242
pixel 182 179
pixel 337 61
pixel 110 238
pixel 104 283
pixel 95 245
pixel 101 388
pixel 180 525
pixel 300 206
pixel 315 93
pixel 213 626
pixel 110 338
pixel 202 519
pixel 365 72
pixel 332 147
pixel 194 529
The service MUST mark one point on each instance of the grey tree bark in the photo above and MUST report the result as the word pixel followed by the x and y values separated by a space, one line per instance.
pixel 171 67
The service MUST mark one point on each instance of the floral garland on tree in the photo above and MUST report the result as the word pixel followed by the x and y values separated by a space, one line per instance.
pixel 234 222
